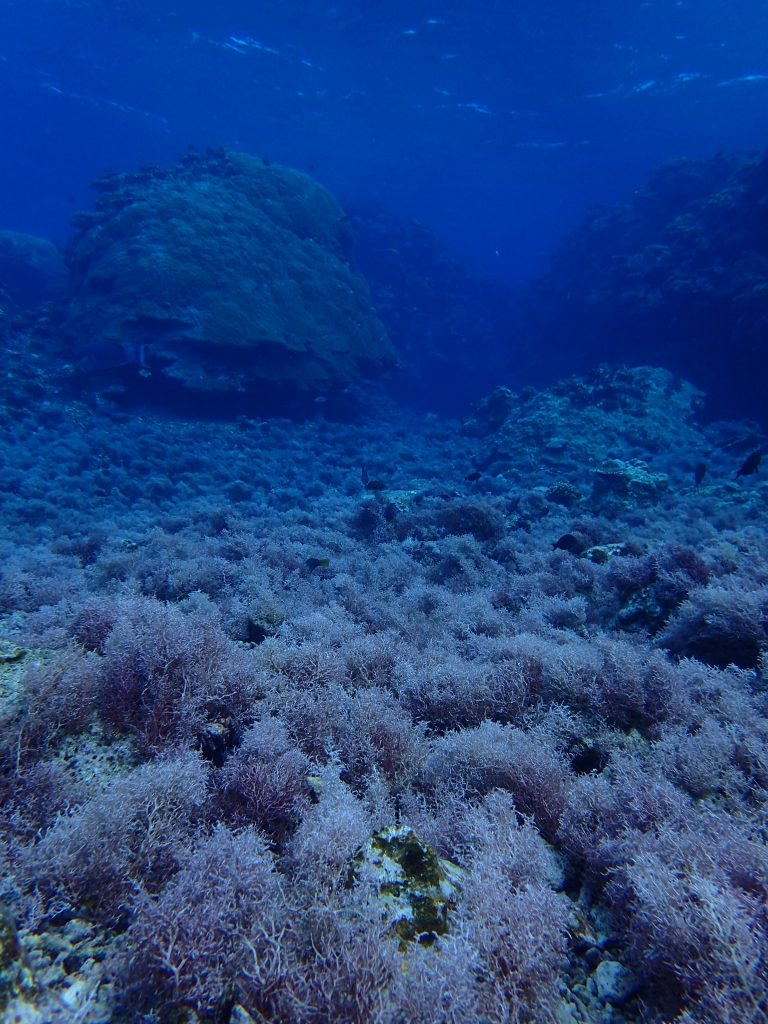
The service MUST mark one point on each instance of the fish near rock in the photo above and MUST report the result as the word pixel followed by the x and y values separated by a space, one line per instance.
pixel 571 543
pixel 750 465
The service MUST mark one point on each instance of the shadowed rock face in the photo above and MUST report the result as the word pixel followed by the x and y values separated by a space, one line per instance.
pixel 225 275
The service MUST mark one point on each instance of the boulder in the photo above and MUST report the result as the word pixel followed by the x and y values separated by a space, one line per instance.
pixel 223 274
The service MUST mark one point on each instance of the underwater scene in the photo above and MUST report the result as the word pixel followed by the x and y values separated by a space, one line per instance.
pixel 384 512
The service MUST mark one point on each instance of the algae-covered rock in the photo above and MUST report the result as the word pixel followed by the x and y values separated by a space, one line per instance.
pixel 585 422
pixel 613 983
pixel 631 482
pixel 601 554
pixel 416 887
pixel 221 274
pixel 563 493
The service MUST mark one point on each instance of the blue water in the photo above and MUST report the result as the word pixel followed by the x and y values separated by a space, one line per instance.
pixel 496 124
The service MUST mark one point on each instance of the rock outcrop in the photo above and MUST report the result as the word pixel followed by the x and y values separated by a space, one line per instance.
pixel 677 276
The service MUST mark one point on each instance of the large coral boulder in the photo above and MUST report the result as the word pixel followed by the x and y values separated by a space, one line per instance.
pixel 221 274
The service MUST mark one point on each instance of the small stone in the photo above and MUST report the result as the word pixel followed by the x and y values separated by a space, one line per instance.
pixel 20 1011
pixel 10 651
pixel 240 1015
pixel 628 481
pixel 77 930
pixel 72 962
pixel 566 1013
pixel 602 923
pixel 75 995
pixel 215 740
pixel 614 983
pixel 592 957
pixel 601 554
pixel 417 889
pixel 490 413
pixel 403 499
pixel 563 493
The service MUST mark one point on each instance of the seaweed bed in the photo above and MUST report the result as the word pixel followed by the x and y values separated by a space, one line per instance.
pixel 527 658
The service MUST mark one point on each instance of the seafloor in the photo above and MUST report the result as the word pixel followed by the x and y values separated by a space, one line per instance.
pixel 235 655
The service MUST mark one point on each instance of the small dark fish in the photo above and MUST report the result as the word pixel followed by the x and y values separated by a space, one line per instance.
pixel 699 472
pixel 474 475
pixel 750 465
pixel 364 475
pixel 569 542
pixel 317 563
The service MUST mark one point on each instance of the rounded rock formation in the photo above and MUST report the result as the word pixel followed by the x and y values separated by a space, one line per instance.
pixel 221 275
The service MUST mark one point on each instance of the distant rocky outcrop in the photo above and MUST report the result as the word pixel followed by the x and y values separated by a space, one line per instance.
pixel 32 270
pixel 677 275
pixel 222 275
pixel 615 424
